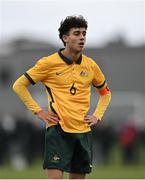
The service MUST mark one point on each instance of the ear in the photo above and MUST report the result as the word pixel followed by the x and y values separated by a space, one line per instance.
pixel 65 38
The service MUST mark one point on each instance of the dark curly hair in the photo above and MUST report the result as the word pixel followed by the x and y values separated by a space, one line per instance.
pixel 71 22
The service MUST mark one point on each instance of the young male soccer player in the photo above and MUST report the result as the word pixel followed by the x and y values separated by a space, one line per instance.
pixel 67 76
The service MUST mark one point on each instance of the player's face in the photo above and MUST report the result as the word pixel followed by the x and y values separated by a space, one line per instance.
pixel 75 39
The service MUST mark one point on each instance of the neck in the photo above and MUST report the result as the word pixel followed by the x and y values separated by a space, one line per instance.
pixel 71 54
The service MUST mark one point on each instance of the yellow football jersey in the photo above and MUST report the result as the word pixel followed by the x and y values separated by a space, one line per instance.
pixel 68 86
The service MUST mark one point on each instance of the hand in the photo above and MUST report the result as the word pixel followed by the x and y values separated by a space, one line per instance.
pixel 91 120
pixel 47 116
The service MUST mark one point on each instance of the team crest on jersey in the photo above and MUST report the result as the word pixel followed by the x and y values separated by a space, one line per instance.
pixel 84 74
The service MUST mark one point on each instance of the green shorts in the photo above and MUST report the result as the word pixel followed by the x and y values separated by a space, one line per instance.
pixel 70 152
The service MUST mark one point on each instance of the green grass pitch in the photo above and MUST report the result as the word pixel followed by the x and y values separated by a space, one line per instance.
pixel 99 172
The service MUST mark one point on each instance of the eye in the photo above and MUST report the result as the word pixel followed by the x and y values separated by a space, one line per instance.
pixel 84 33
pixel 76 33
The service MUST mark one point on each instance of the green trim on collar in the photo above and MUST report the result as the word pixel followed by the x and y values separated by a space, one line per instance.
pixel 67 60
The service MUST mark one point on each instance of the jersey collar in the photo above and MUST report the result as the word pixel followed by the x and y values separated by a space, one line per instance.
pixel 67 60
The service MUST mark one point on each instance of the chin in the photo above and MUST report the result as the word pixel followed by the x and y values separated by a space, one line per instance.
pixel 79 49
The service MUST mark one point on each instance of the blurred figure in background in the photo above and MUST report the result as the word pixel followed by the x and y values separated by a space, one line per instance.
pixel 21 142
pixel 128 142
pixel 104 141
pixel 5 76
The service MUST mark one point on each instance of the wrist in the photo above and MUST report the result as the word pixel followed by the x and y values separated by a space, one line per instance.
pixel 38 112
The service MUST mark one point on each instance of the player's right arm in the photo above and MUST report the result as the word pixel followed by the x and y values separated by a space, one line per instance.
pixel 20 87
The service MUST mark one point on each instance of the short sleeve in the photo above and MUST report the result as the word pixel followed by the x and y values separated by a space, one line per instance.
pixel 38 72
pixel 99 78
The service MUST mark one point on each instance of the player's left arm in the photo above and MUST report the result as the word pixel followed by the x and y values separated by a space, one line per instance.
pixel 104 97
pixel 103 102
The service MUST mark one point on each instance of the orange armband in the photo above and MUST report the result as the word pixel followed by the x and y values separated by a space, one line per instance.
pixel 104 91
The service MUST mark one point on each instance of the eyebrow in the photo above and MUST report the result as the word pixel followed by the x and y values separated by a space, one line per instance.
pixel 79 31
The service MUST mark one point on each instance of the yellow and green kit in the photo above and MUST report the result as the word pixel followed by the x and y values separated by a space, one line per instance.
pixel 68 85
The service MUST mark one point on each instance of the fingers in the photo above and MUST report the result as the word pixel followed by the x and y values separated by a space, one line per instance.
pixel 51 113
pixel 90 119
pixel 88 116
pixel 48 116
pixel 53 118
pixel 91 124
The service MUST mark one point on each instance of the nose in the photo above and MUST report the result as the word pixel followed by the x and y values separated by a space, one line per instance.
pixel 82 37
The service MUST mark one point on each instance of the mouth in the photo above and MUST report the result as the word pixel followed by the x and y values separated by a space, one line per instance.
pixel 81 44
